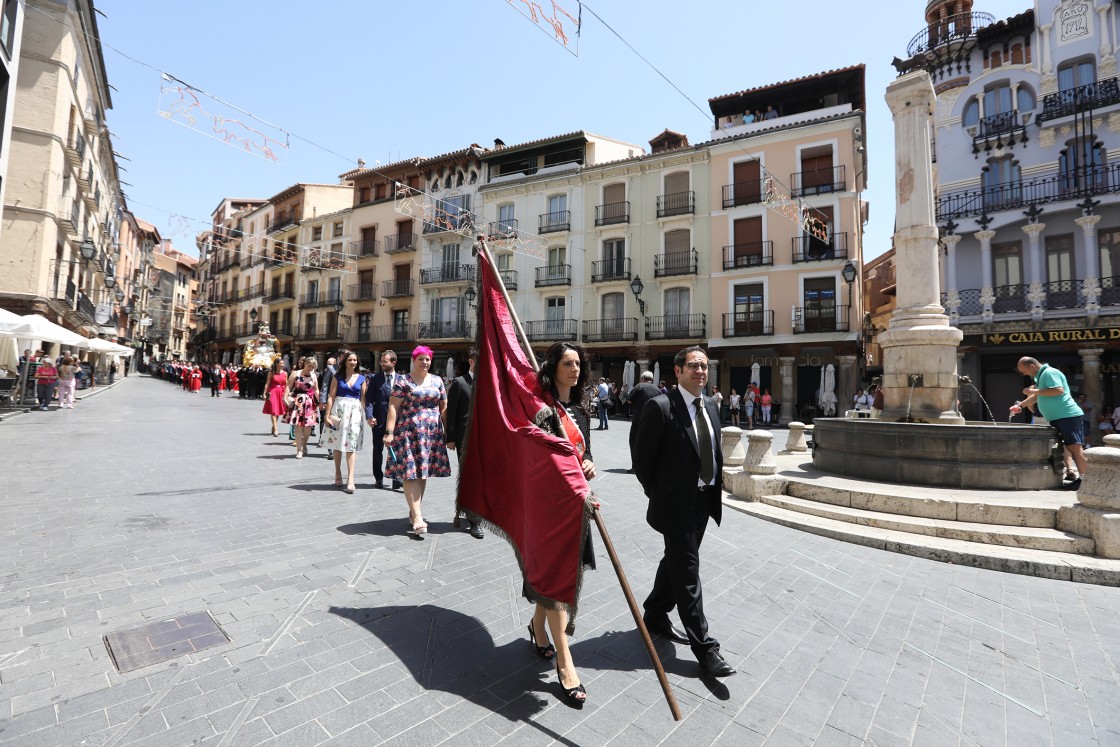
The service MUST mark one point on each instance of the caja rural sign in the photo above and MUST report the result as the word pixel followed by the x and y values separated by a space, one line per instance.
pixel 1105 334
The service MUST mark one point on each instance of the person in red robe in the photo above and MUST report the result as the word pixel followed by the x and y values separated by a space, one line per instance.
pixel 196 379
pixel 221 374
pixel 232 375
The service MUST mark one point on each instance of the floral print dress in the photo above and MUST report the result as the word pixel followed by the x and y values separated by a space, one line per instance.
pixel 304 410
pixel 419 444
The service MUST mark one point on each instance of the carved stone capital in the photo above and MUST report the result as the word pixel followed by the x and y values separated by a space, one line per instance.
pixel 985 237
pixel 1034 229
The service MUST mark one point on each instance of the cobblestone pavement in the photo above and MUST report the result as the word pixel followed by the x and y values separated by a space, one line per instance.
pixel 145 503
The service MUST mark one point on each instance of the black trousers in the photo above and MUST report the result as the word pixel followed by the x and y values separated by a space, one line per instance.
pixel 378 449
pixel 677 584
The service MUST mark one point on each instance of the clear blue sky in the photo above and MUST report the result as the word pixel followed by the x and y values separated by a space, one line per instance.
pixel 382 81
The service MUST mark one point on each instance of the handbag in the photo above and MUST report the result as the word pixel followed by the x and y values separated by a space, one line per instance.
pixel 292 433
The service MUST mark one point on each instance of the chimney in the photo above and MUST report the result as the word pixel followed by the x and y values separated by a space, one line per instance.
pixel 498 144
pixel 361 163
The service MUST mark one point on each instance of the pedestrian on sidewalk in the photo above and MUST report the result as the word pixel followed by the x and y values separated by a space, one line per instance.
pixel 46 376
pixel 603 397
pixel 458 423
pixel 414 431
pixel 329 372
pixel 679 464
pixel 378 392
pixel 112 370
pixel 1051 391
pixel 733 402
pixel 66 383
pixel 275 386
pixel 303 403
pixel 345 413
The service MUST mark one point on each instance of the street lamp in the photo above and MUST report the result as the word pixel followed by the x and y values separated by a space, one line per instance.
pixel 119 295
pixel 127 308
pixel 87 249
pixel 110 281
pixel 636 287
pixel 253 316
pixel 470 295
pixel 849 274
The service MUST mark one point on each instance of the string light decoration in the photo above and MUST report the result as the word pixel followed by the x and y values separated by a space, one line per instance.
pixel 556 25
pixel 183 104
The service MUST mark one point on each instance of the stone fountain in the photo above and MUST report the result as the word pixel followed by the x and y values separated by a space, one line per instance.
pixel 921 438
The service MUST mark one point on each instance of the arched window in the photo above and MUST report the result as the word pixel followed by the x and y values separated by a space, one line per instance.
pixel 1024 100
pixel 995 57
pixel 971 113
pixel 1001 180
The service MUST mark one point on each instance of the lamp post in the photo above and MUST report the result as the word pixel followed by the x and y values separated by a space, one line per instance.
pixel 849 274
pixel 253 320
pixel 120 295
pixel 636 287
pixel 87 249
pixel 338 306
pixel 470 295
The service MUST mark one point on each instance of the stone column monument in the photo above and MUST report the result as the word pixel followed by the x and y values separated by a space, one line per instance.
pixel 919 346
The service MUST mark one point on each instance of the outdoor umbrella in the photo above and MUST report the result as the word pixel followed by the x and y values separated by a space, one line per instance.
pixel 450 367
pixel 756 374
pixel 38 327
pixel 657 373
pixel 828 391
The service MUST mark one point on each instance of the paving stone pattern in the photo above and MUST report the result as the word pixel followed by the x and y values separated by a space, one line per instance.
pixel 146 503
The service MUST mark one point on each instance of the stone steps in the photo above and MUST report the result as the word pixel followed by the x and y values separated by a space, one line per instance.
pixel 1028 537
pixel 1066 566
pixel 1030 509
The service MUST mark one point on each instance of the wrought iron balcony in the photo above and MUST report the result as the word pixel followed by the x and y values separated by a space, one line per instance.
pixel 743 193
pixel 820 318
pixel 281 223
pixel 610 330
pixel 676 263
pixel 397 288
pixel 449 273
pixel 550 275
pixel 946 30
pixel 86 307
pixel 360 292
pixel 443 220
pixel 456 330
pixel 1063 294
pixel 281 293
pixel 319 299
pixel 677 327
pixel 558 221
pixel 1110 291
pixel 255 291
pixel 1083 98
pixel 509 279
pixel 612 212
pixel 998 131
pixel 400 242
pixel 386 333
pixel 756 323
pixel 610 269
pixel 552 330
pixel 281 328
pixel 364 248
pixel 320 331
pixel 750 254
pixel 678 203
pixel 809 248
pixel 502 229
pixel 1058 187
pixel 818 181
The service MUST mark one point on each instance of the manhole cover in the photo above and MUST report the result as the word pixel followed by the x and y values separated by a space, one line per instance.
pixel 162 641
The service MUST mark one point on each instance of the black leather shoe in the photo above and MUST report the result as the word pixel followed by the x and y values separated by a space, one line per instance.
pixel 714 664
pixel 476 531
pixel 665 629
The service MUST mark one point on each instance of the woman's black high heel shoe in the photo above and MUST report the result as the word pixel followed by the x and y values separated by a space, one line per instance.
pixel 572 693
pixel 545 652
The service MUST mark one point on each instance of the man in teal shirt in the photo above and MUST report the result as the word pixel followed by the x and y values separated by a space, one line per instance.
pixel 1051 391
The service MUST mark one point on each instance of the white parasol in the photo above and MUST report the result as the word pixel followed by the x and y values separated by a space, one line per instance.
pixel 828 391
pixel 756 374
pixel 450 367
pixel 628 374
pixel 657 373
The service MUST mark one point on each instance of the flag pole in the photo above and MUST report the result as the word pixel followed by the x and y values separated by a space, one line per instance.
pixel 666 688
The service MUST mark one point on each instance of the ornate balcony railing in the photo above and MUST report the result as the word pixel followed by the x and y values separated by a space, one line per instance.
pixel 449 273
pixel 1070 185
pixel 820 318
pixel 400 242
pixel 677 203
pixel 553 330
pixel 742 193
pixel 610 269
pixel 749 323
pixel 558 221
pixel 281 293
pixel 454 330
pixel 281 223
pixel 509 278
pixel 1089 96
pixel 385 333
pixel 364 248
pixel 319 299
pixel 818 181
pixel 676 263
pixel 750 254
pixel 943 31
pixel 610 330
pixel 397 288
pixel 809 248
pixel 677 327
pixel 320 331
pixel 550 275
pixel 1063 294
pixel 1110 291
pixel 360 292
pixel 502 229
pixel 612 212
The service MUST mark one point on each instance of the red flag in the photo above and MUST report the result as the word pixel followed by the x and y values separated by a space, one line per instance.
pixel 523 482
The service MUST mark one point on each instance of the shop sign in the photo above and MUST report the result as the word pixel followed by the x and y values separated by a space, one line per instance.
pixel 1052 335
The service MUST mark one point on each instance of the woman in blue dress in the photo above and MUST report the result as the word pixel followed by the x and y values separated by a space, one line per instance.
pixel 414 433
pixel 346 408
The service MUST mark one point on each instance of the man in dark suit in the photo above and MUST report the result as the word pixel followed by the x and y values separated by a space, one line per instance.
pixel 458 411
pixel 329 372
pixel 678 461
pixel 378 391
pixel 639 395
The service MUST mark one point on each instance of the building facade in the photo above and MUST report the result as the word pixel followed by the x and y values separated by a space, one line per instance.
pixel 11 40
pixel 1027 135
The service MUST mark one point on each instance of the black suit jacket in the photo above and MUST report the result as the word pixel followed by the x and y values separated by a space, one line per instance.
pixel 666 459
pixel 458 407
pixel 378 390
pixel 641 394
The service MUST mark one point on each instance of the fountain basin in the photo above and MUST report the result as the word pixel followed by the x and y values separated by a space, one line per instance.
pixel 975 455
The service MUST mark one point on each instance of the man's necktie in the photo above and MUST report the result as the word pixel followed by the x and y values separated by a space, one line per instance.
pixel 704 439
